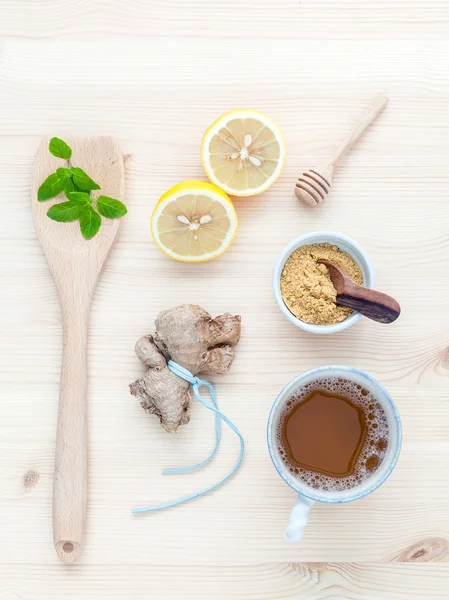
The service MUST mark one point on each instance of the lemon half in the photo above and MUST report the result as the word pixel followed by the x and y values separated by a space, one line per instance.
pixel 194 221
pixel 243 152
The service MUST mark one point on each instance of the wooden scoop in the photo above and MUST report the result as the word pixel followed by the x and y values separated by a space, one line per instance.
pixel 76 265
pixel 314 185
pixel 374 305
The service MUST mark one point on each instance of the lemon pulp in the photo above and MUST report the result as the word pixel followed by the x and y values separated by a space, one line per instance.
pixel 243 152
pixel 194 221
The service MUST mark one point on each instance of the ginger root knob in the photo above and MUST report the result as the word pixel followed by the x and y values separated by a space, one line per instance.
pixel 188 335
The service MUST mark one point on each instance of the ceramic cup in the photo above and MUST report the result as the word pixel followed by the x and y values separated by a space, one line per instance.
pixel 320 237
pixel 308 495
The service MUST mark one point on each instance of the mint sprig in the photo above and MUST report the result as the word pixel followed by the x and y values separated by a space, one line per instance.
pixel 77 186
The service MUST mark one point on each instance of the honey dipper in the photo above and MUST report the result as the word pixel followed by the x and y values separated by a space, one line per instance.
pixel 370 303
pixel 314 185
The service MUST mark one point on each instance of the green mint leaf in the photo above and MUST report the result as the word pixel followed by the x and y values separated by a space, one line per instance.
pixel 81 198
pixel 59 148
pixel 64 212
pixel 110 207
pixel 69 187
pixel 51 187
pixel 90 222
pixel 64 173
pixel 83 181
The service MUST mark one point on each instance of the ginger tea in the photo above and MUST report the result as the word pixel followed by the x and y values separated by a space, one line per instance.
pixel 332 434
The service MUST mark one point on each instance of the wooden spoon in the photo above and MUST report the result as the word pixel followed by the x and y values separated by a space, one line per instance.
pixel 374 305
pixel 314 185
pixel 75 264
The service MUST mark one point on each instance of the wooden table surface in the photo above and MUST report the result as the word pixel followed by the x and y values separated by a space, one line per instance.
pixel 155 74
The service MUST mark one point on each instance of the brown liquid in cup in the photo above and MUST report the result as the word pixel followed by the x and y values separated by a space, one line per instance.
pixel 333 434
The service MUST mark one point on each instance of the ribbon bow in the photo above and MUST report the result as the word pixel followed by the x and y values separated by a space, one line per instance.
pixel 196 384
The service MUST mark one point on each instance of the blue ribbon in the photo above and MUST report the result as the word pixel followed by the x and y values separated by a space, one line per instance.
pixel 196 384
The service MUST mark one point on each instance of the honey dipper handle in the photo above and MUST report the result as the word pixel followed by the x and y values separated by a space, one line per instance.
pixel 70 479
pixel 377 105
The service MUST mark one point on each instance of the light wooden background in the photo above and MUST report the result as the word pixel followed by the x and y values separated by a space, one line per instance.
pixel 155 74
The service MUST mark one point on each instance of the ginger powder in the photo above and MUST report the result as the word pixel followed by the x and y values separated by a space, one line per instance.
pixel 306 286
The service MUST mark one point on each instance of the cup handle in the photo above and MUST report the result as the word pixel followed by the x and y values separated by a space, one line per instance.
pixel 298 519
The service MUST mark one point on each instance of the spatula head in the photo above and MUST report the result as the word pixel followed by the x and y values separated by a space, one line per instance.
pixel 68 254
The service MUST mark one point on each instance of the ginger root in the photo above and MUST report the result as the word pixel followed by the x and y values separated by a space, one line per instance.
pixel 188 335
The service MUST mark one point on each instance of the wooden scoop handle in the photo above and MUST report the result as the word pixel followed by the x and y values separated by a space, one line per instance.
pixel 377 306
pixel 70 481
pixel 377 105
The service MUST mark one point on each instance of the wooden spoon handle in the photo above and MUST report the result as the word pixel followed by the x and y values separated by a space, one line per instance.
pixel 377 105
pixel 377 306
pixel 70 480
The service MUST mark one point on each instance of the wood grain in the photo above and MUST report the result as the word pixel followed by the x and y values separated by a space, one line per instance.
pixel 76 265
pixel 305 19
pixel 155 75
pixel 269 581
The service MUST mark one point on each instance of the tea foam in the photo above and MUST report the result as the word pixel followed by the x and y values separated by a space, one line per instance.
pixel 375 444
